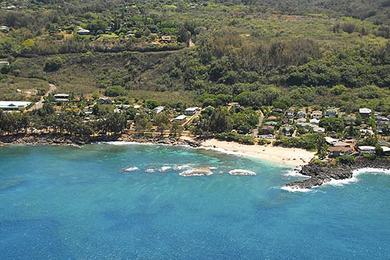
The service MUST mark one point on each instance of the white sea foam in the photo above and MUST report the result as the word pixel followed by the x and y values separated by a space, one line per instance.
pixel 196 172
pixel 374 171
pixel 150 170
pixel 165 168
pixel 240 172
pixel 355 174
pixel 131 169
pixel 295 189
pixel 295 173
pixel 181 167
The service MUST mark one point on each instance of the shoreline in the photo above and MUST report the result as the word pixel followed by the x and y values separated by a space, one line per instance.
pixel 287 157
pixel 336 175
pixel 290 157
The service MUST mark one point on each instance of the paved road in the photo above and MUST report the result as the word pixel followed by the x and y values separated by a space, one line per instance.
pixel 39 104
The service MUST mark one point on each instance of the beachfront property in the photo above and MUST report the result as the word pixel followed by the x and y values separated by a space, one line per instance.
pixel 60 98
pixel 337 151
pixel 14 105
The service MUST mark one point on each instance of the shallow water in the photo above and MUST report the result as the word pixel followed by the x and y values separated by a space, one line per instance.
pixel 78 203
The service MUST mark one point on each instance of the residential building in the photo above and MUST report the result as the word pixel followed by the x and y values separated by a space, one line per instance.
pixel 61 97
pixel 191 111
pixel 4 29
pixel 331 113
pixel 14 105
pixel 336 151
pixel 82 31
pixel 365 112
pixel 158 109
pixel 366 149
pixel 316 114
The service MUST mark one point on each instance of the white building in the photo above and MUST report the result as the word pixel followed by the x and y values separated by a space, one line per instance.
pixel 191 111
pixel 180 118
pixel 365 111
pixel 158 109
pixel 14 105
pixel 61 97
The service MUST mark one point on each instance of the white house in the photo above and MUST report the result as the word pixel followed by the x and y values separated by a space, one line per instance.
pixel 61 97
pixel 365 111
pixel 191 111
pixel 3 63
pixel 180 118
pixel 158 109
pixel 83 31
pixel 366 149
pixel 14 105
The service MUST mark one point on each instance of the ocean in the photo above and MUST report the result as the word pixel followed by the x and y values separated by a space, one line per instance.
pixel 106 201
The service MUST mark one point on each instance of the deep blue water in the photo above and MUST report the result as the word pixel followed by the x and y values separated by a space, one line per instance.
pixel 75 203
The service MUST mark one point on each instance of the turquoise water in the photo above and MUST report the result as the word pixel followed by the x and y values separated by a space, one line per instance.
pixel 76 203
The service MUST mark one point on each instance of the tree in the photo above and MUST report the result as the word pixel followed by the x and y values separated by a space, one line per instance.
pixel 162 122
pixel 321 147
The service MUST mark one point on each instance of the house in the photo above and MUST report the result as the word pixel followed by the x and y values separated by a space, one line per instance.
pixel 366 149
pixel 158 109
pixel 267 130
pixel 3 63
pixel 61 97
pixel 136 106
pixel 82 31
pixel 290 114
pixel 272 118
pixel 4 29
pixel 366 132
pixel 104 101
pixel 331 113
pixel 318 130
pixel 315 121
pixel 277 111
pixel 14 105
pixel 365 112
pixel 191 111
pixel 271 123
pixel 166 39
pixel 316 114
pixel 180 118
pixel 301 114
pixel 288 130
pixel 386 150
pixel 301 120
pixel 336 151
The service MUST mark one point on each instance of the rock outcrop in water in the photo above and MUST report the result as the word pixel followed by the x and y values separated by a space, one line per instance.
pixel 323 174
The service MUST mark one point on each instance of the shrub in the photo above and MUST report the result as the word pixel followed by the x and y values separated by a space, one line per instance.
pixel 53 64
pixel 346 159
pixel 115 91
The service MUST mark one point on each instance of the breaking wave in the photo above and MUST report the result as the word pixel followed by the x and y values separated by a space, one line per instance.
pixel 131 169
pixel 240 172
pixel 295 189
pixel 196 172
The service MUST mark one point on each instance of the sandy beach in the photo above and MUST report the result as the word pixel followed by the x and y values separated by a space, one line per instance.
pixel 283 156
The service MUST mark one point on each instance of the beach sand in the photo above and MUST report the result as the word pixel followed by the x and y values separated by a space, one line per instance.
pixel 280 155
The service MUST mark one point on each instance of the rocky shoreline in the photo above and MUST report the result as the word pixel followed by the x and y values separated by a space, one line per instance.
pixel 320 175
pixel 58 139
